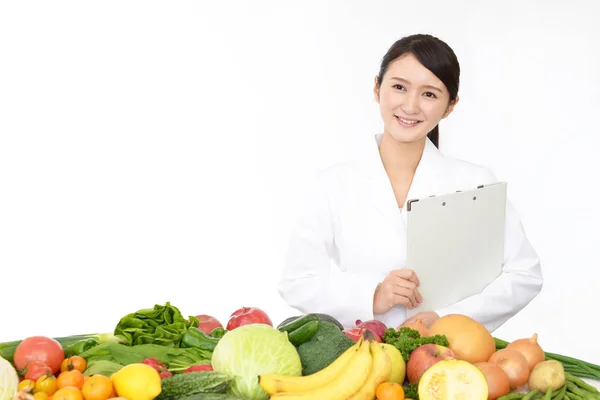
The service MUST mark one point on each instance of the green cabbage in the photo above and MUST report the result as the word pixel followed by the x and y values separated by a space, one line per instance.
pixel 252 350
pixel 9 381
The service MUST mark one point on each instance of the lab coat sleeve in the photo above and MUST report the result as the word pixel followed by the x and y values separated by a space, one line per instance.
pixel 519 283
pixel 309 282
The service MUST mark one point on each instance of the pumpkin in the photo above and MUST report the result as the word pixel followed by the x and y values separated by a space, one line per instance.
pixel 467 338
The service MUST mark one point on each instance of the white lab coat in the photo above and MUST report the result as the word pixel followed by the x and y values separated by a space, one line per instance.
pixel 353 219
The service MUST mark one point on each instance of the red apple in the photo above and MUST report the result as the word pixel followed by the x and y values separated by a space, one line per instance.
pixel 424 357
pixel 246 316
pixel 208 323
pixel 356 333
pixel 377 327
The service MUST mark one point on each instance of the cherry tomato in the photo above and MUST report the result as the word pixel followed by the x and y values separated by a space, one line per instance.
pixel 74 362
pixel 39 348
pixel 46 384
pixel 34 369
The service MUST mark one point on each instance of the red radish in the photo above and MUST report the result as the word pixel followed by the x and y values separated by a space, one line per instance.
pixel 246 316
pixel 377 327
pixel 199 367
pixel 208 323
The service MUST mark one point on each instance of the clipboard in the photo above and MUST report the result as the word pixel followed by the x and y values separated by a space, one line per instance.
pixel 455 243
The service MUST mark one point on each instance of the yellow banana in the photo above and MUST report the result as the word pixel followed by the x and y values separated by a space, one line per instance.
pixel 344 385
pixel 380 372
pixel 277 383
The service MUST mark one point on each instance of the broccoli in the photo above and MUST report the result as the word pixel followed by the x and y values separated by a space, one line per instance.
pixel 411 391
pixel 406 340
pixel 327 344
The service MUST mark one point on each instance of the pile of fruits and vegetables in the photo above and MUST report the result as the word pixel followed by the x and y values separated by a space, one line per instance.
pixel 158 353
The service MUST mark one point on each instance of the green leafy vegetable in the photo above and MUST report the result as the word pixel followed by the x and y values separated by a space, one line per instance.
pixel 162 325
pixel 411 391
pixel 407 339
pixel 176 359
pixel 101 367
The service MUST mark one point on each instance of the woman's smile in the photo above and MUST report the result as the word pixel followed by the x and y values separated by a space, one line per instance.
pixel 407 122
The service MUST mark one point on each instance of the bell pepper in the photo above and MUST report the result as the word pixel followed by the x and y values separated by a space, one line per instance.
pixel 194 337
pixel 79 347
pixel 218 333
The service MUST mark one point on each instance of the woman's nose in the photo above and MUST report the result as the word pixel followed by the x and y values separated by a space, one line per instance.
pixel 411 104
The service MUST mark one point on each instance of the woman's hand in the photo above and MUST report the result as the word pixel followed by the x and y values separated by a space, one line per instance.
pixel 427 318
pixel 399 287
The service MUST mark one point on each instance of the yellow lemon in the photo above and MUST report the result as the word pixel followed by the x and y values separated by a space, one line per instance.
pixel 137 382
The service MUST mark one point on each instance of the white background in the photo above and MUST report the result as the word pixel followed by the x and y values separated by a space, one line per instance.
pixel 159 151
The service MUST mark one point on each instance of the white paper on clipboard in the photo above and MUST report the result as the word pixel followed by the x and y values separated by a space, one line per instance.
pixel 455 243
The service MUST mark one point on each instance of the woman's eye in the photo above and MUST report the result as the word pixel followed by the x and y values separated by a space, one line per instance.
pixel 399 87
pixel 431 95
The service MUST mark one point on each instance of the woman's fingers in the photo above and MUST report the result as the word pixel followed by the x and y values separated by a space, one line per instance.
pixel 405 293
pixel 407 274
pixel 410 286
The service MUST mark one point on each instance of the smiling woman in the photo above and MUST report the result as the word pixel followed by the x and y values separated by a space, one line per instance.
pixel 417 86
pixel 354 216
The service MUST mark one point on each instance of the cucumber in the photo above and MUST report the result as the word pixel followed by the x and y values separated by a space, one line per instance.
pixel 304 333
pixel 297 323
pixel 320 317
pixel 194 383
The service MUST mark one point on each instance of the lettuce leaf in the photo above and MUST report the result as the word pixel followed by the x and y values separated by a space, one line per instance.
pixel 161 325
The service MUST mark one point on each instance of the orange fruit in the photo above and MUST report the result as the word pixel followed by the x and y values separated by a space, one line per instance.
pixel 390 391
pixel 72 378
pixel 98 387
pixel 67 393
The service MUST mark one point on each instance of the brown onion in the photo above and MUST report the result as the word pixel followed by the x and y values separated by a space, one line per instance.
pixel 514 364
pixel 419 327
pixel 530 348
pixel 496 378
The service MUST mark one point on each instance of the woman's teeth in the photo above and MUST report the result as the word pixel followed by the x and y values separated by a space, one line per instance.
pixel 408 121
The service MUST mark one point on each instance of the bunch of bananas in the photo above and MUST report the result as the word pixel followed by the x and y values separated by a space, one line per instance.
pixel 354 375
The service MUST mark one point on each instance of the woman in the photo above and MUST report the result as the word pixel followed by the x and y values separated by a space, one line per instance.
pixel 354 216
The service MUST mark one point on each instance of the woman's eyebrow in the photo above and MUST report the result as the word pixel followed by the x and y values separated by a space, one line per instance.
pixel 425 86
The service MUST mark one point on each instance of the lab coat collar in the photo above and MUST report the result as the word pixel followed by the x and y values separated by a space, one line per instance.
pixel 426 182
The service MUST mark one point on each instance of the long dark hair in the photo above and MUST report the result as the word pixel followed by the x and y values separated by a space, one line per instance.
pixel 436 56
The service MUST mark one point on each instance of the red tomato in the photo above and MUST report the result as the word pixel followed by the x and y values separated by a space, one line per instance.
pixel 39 348
pixel 34 369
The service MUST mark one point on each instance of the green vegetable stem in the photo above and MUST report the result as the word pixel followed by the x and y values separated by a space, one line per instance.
pixel 7 349
pixel 195 338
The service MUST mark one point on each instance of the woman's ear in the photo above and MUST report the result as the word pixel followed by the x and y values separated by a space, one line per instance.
pixel 450 107
pixel 376 89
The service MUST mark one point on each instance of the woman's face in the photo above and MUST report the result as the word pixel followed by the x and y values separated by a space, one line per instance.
pixel 412 100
